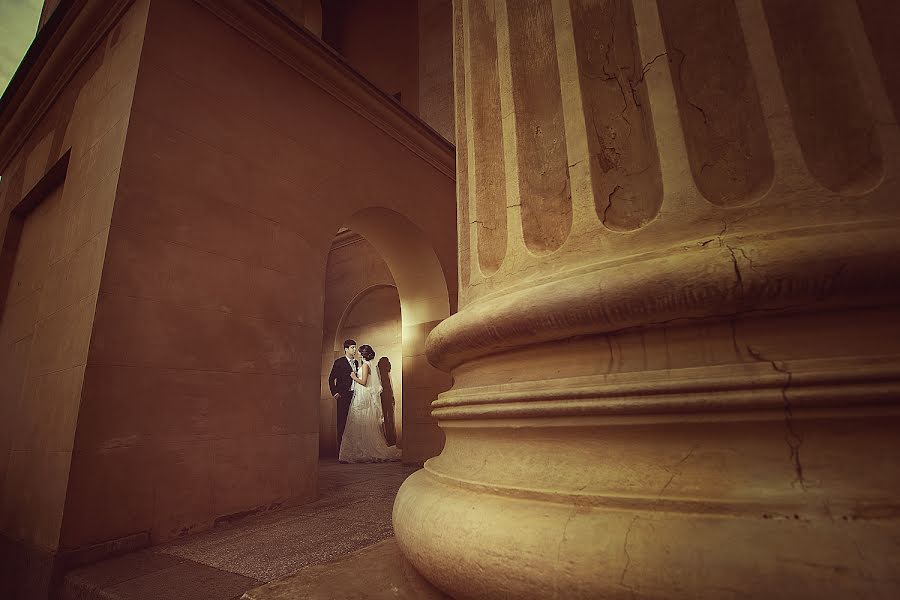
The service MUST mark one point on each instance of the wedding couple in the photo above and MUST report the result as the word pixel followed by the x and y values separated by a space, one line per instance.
pixel 356 386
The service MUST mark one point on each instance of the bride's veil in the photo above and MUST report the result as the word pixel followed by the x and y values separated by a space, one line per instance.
pixel 376 378
pixel 376 388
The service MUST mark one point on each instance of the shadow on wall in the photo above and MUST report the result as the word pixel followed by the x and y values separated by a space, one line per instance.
pixel 387 400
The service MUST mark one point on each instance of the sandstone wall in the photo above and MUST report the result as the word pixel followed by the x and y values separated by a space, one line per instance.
pixel 436 65
pixel 202 387
pixel 56 195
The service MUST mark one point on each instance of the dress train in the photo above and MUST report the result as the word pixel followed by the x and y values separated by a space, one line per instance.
pixel 363 440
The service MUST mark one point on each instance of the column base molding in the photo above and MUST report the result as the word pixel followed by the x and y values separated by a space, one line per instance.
pixel 751 457
pixel 503 547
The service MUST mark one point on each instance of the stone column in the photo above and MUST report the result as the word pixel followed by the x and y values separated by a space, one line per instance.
pixel 675 364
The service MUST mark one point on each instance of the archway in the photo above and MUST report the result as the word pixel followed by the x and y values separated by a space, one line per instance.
pixel 418 278
pixel 373 317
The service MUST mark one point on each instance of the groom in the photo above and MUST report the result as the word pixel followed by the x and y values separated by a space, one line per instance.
pixel 341 385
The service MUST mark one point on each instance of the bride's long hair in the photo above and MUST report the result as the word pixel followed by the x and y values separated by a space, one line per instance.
pixel 368 354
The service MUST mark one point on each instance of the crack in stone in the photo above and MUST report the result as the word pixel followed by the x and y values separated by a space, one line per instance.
pixel 674 472
pixel 634 84
pixel 683 87
pixel 624 104
pixel 603 77
pixel 610 44
pixel 610 158
pixel 605 74
pixel 627 555
pixel 563 539
pixel 647 67
pixel 747 258
pixel 612 36
pixel 791 436
pixel 734 262
pixel 482 224
pixel 734 341
pixel 609 202
pixel 622 114
pixel 602 159
pixel 737 269
pixel 700 110
pixel 609 367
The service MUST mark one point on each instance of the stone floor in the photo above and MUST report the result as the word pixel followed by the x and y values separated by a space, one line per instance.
pixel 379 572
pixel 353 512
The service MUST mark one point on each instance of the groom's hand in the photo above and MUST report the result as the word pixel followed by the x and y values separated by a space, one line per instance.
pixel 337 396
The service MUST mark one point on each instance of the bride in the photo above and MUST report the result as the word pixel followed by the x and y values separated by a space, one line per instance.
pixel 363 439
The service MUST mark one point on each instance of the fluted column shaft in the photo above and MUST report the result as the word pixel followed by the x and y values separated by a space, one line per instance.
pixel 677 359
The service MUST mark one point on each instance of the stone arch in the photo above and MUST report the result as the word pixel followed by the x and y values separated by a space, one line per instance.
pixel 424 302
pixel 390 353
pixel 338 335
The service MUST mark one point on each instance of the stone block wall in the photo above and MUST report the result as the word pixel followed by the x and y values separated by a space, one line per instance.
pixel 436 65
pixel 202 387
pixel 162 328
pixel 57 197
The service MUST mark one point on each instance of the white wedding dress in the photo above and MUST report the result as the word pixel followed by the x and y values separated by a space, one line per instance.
pixel 363 439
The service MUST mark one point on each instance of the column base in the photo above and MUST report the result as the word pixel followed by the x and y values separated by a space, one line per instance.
pixel 480 545
pixel 754 458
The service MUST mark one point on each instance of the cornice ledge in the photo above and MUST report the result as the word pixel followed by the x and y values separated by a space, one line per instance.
pixel 59 49
pixel 302 51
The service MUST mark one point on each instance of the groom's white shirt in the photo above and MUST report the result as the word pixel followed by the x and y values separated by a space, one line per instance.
pixel 352 368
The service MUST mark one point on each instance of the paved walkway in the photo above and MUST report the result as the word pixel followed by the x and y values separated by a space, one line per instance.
pixel 353 512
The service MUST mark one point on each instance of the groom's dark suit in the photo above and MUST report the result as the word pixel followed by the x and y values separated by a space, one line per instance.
pixel 339 382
